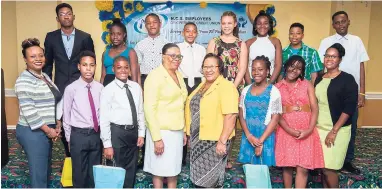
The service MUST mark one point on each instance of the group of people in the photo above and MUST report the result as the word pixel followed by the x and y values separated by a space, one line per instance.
pixel 164 97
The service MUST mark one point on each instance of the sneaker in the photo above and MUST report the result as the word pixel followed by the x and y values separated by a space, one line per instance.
pixel 349 167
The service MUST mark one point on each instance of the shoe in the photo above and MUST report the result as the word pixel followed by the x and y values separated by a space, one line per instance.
pixel 349 167
pixel 314 172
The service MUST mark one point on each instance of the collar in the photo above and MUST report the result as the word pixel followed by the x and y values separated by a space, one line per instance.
pixel 283 82
pixel 84 83
pixel 189 45
pixel 289 47
pixel 338 36
pixel 155 38
pixel 121 84
pixel 72 34
pixel 214 85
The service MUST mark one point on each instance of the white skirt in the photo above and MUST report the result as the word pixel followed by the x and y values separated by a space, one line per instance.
pixel 168 164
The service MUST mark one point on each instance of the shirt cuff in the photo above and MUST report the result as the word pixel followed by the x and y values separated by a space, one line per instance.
pixel 156 137
pixel 141 133
pixel 107 144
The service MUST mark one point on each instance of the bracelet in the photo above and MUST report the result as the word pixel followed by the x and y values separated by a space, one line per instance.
pixel 363 94
pixel 222 142
pixel 333 132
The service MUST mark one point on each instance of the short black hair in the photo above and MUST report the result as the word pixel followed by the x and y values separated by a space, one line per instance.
pixel 220 62
pixel 291 61
pixel 117 22
pixel 340 49
pixel 119 58
pixel 30 42
pixel 167 46
pixel 262 13
pixel 153 15
pixel 87 53
pixel 190 23
pixel 266 61
pixel 62 5
pixel 297 25
pixel 338 13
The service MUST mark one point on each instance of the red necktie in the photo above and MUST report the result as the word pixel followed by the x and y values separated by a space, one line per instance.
pixel 95 120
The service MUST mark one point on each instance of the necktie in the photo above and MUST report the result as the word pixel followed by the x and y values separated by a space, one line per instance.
pixel 94 114
pixel 191 81
pixel 132 105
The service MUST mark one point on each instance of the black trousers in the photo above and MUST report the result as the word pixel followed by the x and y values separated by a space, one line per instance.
pixel 65 143
pixel 124 142
pixel 85 147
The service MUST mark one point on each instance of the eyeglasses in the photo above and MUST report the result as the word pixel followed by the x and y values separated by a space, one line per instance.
pixel 330 56
pixel 62 14
pixel 175 56
pixel 205 68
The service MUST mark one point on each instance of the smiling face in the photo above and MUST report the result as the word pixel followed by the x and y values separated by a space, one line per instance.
pixel 152 24
pixel 341 24
pixel 87 68
pixel 35 58
pixel 259 71
pixel 262 26
pixel 228 24
pixel 294 71
pixel 117 35
pixel 332 59
pixel 172 58
pixel 190 33
pixel 296 35
pixel 65 17
pixel 211 69
pixel 121 70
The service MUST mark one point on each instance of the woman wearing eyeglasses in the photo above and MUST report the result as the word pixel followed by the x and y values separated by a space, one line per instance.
pixel 337 95
pixel 164 97
pixel 211 111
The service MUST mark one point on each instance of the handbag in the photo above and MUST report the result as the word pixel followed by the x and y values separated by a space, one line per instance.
pixel 257 176
pixel 108 176
pixel 66 176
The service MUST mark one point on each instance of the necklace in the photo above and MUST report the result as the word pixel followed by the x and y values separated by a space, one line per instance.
pixel 203 89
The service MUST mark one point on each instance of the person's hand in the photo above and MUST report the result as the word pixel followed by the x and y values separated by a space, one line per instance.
pixel 159 147
pixel 188 142
pixel 184 139
pixel 51 133
pixel 221 149
pixel 330 138
pixel 141 141
pixel 254 141
pixel 108 153
pixel 58 126
pixel 294 133
pixel 258 150
pixel 361 101
pixel 304 134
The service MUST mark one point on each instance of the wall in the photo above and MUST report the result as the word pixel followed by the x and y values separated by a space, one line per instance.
pixel 33 19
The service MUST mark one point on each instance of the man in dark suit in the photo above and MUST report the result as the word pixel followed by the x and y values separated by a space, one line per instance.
pixel 63 47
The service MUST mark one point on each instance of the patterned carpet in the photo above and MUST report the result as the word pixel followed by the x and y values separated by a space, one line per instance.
pixel 368 153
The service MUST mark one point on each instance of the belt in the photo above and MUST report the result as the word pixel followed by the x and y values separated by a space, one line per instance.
pixel 296 108
pixel 88 130
pixel 125 127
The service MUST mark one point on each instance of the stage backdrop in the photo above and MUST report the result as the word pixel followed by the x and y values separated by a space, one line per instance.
pixel 175 15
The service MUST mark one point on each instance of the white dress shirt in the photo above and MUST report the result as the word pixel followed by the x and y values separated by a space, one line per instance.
pixel 115 108
pixel 149 52
pixel 355 53
pixel 191 66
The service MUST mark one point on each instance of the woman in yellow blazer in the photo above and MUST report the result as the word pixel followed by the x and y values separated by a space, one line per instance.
pixel 210 113
pixel 164 97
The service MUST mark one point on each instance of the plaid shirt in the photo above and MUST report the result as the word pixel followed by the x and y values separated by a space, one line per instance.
pixel 311 57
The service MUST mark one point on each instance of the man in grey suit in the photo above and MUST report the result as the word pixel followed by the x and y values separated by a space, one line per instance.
pixel 62 47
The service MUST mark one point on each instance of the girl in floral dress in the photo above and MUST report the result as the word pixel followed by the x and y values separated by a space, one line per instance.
pixel 232 51
pixel 297 141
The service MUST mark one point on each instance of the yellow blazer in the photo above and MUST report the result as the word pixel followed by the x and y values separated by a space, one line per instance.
pixel 221 98
pixel 164 102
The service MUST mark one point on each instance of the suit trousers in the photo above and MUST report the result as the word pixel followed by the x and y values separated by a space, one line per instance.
pixel 85 148
pixel 124 142
pixel 38 149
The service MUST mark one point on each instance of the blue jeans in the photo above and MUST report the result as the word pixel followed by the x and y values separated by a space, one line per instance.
pixel 38 148
pixel 350 153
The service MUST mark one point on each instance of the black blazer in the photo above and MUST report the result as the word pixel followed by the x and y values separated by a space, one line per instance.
pixel 66 70
pixel 342 96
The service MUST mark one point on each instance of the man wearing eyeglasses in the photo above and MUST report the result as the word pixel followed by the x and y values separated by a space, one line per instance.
pixel 62 48
pixel 353 63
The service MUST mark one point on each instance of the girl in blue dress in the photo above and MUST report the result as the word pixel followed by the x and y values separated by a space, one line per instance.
pixel 259 112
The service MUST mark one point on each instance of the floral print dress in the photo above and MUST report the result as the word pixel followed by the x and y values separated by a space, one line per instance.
pixel 229 53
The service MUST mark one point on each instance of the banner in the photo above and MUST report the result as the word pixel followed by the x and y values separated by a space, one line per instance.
pixel 173 17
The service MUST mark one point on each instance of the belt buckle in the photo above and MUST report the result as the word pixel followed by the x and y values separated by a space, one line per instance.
pixel 128 127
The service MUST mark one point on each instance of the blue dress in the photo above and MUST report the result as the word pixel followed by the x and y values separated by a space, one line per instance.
pixel 256 110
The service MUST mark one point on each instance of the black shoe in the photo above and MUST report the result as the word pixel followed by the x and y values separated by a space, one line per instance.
pixel 349 167
pixel 314 172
